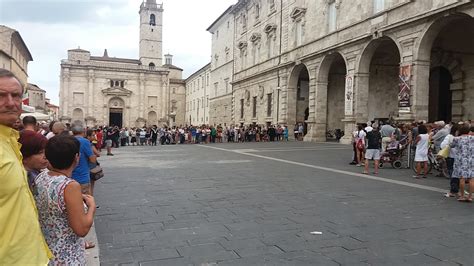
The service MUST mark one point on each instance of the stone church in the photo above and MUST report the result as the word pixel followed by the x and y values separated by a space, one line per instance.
pixel 105 90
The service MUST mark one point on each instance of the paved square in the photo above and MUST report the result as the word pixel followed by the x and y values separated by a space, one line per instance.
pixel 257 203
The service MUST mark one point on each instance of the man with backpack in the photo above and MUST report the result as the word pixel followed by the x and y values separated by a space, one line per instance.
pixel 374 144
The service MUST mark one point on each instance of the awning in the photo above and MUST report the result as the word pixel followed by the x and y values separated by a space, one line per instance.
pixel 38 116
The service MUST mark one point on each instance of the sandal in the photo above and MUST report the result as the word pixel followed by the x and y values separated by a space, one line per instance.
pixel 365 173
pixel 89 245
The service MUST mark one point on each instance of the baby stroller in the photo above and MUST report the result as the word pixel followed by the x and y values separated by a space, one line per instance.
pixel 394 153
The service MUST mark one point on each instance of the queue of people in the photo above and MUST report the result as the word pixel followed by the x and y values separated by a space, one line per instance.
pixel 136 136
pixel 46 204
pixel 452 146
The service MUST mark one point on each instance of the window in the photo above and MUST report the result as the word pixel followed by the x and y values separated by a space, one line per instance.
pixel 122 84
pixel 151 66
pixel 241 108
pixel 379 6
pixel 226 85
pixel 254 110
pixel 244 22
pixel 299 32
pixel 271 46
pixel 116 83
pixel 111 83
pixel 269 105
pixel 228 24
pixel 174 90
pixel 216 85
pixel 152 20
pixel 332 16
pixel 207 77
pixel 257 11
pixel 217 34
pixel 271 4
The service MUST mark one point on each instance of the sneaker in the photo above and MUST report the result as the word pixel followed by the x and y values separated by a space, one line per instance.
pixel 353 163
pixel 358 165
pixel 110 154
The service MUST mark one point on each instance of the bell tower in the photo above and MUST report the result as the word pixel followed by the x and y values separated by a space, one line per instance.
pixel 151 33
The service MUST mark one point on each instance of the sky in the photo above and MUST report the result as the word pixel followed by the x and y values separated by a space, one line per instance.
pixel 51 27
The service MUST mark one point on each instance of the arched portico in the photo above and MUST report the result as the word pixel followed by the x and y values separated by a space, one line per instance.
pixel 445 69
pixel 378 82
pixel 298 97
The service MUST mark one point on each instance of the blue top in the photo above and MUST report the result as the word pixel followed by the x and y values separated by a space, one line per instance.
pixel 81 173
pixel 193 132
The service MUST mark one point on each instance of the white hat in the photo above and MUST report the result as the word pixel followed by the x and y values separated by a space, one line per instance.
pixel 368 129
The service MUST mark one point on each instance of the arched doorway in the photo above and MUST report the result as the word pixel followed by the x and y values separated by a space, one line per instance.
pixel 448 46
pixel 152 118
pixel 381 61
pixel 77 116
pixel 116 113
pixel 298 100
pixel 440 100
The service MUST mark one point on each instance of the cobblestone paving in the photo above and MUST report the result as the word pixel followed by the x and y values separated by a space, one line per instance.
pixel 197 205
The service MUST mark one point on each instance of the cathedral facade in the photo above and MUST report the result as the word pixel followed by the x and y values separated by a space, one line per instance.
pixel 104 90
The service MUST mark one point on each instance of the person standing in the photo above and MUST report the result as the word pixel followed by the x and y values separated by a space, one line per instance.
pixel 30 123
pixel 374 144
pixel 21 239
pixel 421 152
pixel 82 172
pixel 66 215
pixel 464 161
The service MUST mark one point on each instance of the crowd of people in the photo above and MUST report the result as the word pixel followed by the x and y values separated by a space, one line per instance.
pixel 452 145
pixel 48 170
pixel 46 202
pixel 153 135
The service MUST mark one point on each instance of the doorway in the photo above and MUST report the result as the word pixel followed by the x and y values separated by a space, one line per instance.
pixel 116 117
pixel 440 96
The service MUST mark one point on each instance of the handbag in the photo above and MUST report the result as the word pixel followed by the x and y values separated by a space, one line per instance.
pixel 444 152
pixel 97 172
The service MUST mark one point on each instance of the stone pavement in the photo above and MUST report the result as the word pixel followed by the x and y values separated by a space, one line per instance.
pixel 257 203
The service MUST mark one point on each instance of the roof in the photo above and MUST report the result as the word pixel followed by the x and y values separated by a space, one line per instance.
pixel 116 59
pixel 172 67
pixel 78 50
pixel 34 87
pixel 200 70
pixel 14 34
pixel 221 16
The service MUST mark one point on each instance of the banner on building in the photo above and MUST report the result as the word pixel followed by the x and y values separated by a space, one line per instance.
pixel 404 86
pixel 349 97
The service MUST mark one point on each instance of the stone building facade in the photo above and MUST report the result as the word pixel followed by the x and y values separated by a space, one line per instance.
pixel 334 63
pixel 104 90
pixel 37 98
pixel 14 54
pixel 197 96
pixel 222 69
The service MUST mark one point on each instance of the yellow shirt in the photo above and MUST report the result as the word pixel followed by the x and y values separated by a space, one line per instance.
pixel 21 239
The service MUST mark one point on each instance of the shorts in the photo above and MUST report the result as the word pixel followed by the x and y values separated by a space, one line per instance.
pixel 86 189
pixel 372 154
pixel 108 143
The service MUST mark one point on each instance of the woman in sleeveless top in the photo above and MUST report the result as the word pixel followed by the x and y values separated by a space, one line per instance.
pixel 421 154
pixel 65 214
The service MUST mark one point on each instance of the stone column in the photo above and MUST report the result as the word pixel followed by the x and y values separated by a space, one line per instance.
pixel 90 101
pixel 141 96
pixel 420 81
pixel 349 114
pixel 361 97
pixel 312 134
pixel 349 118
pixel 66 78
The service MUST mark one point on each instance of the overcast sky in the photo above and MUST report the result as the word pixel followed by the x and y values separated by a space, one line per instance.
pixel 51 27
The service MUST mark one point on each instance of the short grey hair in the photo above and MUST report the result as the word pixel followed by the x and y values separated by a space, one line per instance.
pixel 77 129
